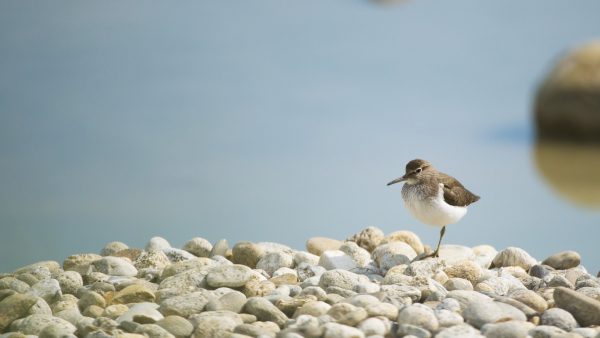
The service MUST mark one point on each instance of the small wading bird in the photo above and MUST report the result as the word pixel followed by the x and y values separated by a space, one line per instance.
pixel 433 197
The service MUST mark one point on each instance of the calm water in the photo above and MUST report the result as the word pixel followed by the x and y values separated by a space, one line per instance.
pixel 279 121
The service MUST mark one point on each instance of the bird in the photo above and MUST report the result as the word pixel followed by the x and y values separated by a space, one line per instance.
pixel 433 198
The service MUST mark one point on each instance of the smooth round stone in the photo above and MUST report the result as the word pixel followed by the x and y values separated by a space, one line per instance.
pixel 220 248
pixel 185 305
pixel 34 324
pixel 499 285
pixel 247 253
pixel 563 260
pixel 336 259
pixel 157 244
pixel 112 248
pixel 458 284
pixel 389 255
pixel 559 318
pixel 55 331
pixel 318 245
pixel 40 308
pixel 400 292
pixel 586 310
pixel 145 309
pixel 14 284
pixel 539 271
pixel 14 307
pixel 232 276
pixel 256 287
pixel 372 326
pixel 198 246
pixel 363 300
pixel 201 265
pixel 368 238
pixel 545 331
pixel 275 260
pixel 35 268
pixel 153 330
pixel 178 255
pixel 408 330
pixel 511 329
pixel 342 279
pixel 459 331
pixel 93 311
pixel 512 256
pixel 559 280
pixel 418 315
pixel 48 289
pixel 468 270
pixel 484 312
pixel 529 298
pixel 176 325
pixel 265 311
pixel 114 311
pixel 591 292
pixel 447 318
pixel 335 330
pixel 359 255
pixel 69 281
pixel 233 301
pixel 386 310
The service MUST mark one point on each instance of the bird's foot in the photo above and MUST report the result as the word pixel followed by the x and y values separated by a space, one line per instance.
pixel 423 256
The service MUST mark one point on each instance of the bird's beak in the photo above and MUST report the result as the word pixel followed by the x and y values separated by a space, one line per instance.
pixel 399 179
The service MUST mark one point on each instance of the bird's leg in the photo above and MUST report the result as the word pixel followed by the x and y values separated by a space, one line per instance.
pixel 436 253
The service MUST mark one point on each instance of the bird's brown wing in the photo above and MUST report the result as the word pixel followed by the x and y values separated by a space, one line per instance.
pixel 455 193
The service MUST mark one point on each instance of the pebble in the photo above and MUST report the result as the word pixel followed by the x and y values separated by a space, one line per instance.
pixel 228 276
pixel 512 329
pixel 265 311
pixel 220 248
pixel 512 256
pixel 529 298
pixel 563 260
pixel 391 254
pixel 368 238
pixel 559 318
pixel 373 326
pixel 335 330
pixel 48 289
pixel 337 259
pixel 347 314
pixel 157 244
pixel 34 324
pixel 586 310
pixel 342 278
pixel 459 331
pixel 458 284
pixel 185 305
pixel 176 325
pixel 247 253
pixel 114 266
pixel 318 245
pixel 468 270
pixel 484 312
pixel 407 237
pixel 419 315
pixel 453 254
pixel 359 255
pixel 198 246
pixel 545 331
pixel 272 261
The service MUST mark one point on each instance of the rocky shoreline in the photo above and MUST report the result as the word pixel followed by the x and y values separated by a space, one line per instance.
pixel 365 286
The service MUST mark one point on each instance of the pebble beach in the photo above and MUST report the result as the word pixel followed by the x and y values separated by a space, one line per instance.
pixel 367 285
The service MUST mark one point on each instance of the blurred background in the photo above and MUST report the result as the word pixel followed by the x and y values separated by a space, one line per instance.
pixel 279 121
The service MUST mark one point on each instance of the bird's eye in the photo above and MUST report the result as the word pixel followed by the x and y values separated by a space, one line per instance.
pixel 418 170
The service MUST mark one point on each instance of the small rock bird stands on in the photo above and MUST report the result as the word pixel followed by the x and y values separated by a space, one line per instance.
pixel 433 197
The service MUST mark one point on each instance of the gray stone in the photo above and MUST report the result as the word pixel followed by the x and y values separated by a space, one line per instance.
pixel 559 280
pixel 512 329
pixel 114 266
pixel 585 309
pixel 201 265
pixel 459 331
pixel 512 256
pixel 559 318
pixel 563 260
pixel 359 255
pixel 232 276
pixel 545 331
pixel 484 312
pixel 305 258
pixel 275 260
pixel 112 248
pixel 368 238
pixel 185 281
pixel 539 271
pixel 176 325
pixel 447 318
pixel 265 311
pixel 405 330
pixel 529 298
pixel 48 289
pixel 418 315
pixel 386 310
pixel 185 305
pixel 335 330
pixel 465 297
pixel 157 244
pixel 14 307
pixel 220 248
pixel 395 253
pixel 247 253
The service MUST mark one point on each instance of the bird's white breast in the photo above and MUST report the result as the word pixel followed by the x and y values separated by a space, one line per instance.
pixel 432 210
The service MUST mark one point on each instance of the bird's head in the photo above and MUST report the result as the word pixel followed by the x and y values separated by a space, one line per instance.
pixel 416 170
